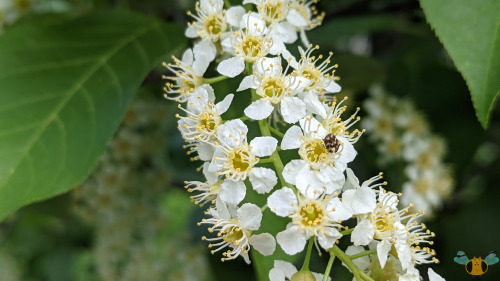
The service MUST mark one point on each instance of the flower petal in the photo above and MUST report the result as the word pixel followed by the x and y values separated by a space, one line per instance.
pixel 259 109
pixel 363 262
pixel 281 202
pixel 292 169
pixel 246 83
pixel 348 151
pixel 191 31
pixel 205 151
pixel 333 87
pixel 187 57
pixel 433 276
pixel 292 240
pixel 327 240
pixel 292 109
pixel 364 201
pixel 223 106
pixel 204 53
pixel 340 213
pixel 286 267
pixel 291 139
pixel 263 179
pixel 276 275
pixel 249 216
pixel 313 104
pixel 222 210
pixel 363 233
pixel 263 146
pixel 231 67
pixel 383 249
pixel 295 18
pixel 264 243
pixel 232 191
pixel 234 15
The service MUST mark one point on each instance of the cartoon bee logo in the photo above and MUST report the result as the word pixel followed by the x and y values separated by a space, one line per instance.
pixel 476 267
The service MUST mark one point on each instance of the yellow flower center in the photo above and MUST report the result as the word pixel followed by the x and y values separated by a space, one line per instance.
pixel 313 74
pixel 311 215
pixel 316 151
pixel 233 234
pixel 239 160
pixel 208 122
pixel 271 11
pixel 252 47
pixel 214 25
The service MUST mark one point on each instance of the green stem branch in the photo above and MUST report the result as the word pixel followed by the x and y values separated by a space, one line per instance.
pixel 214 80
pixel 369 252
pixel 305 266
pixel 329 267
pixel 276 132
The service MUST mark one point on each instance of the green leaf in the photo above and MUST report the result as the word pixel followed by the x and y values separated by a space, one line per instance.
pixel 470 32
pixel 64 90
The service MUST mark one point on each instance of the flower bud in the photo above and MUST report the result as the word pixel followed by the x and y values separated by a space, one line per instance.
pixel 303 276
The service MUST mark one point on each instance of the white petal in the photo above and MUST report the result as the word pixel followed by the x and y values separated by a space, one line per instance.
pixel 363 233
pixel 433 276
pixel 222 210
pixel 211 177
pixel 276 275
pixel 264 243
pixel 249 216
pixel 231 67
pixel 198 100
pixel 308 183
pixel 287 32
pixel 234 15
pixel 327 240
pixel 281 201
pixel 332 178
pixel 191 31
pixel 210 91
pixel 383 249
pixel 404 255
pixel 303 37
pixel 210 6
pixel 313 104
pixel 296 18
pixel 364 201
pixel 291 139
pixel 204 50
pixel 312 126
pixel 263 179
pixel 292 109
pixel 409 277
pixel 352 181
pixel 246 83
pixel 286 267
pixel 216 165
pixel 268 66
pixel 205 151
pixel 249 2
pixel 292 169
pixel 232 191
pixel 292 240
pixel 232 132
pixel 333 87
pixel 223 106
pixel 348 151
pixel 340 212
pixel 263 146
pixel 362 262
pixel 187 57
pixel 259 109
pixel 347 197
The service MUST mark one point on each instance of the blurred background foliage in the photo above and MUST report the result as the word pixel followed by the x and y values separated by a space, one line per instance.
pixel 385 42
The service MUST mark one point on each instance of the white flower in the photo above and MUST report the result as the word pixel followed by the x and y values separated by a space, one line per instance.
pixel 334 124
pixel 210 21
pixel 203 116
pixel 251 42
pixel 284 270
pixel 275 89
pixel 207 191
pixel 323 157
pixel 317 216
pixel 304 16
pixel 371 265
pixel 235 227
pixel 321 74
pixel 235 159
pixel 189 71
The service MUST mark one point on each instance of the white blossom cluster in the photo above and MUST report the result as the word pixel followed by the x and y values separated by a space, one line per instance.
pixel 121 200
pixel 402 135
pixel 315 192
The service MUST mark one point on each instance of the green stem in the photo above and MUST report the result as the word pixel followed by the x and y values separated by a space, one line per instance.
pixel 214 80
pixel 263 208
pixel 227 3
pixel 276 132
pixel 244 118
pixel 329 267
pixel 347 261
pixel 347 232
pixel 369 252
pixel 267 160
pixel 305 266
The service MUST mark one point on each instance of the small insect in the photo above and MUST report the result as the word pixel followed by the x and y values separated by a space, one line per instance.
pixel 331 143
pixel 476 267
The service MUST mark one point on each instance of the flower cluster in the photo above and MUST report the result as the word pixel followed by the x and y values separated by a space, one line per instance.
pixel 293 94
pixel 120 200
pixel 402 134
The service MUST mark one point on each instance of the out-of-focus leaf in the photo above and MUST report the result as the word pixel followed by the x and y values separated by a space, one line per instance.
pixel 340 28
pixel 470 32
pixel 358 72
pixel 64 90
